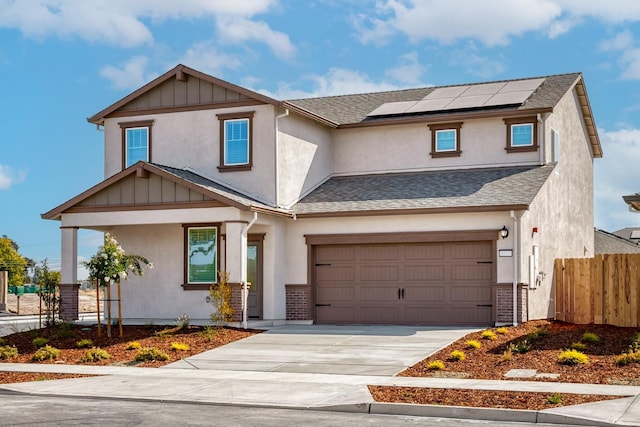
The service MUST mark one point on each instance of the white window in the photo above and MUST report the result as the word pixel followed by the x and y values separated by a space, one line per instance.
pixel 137 145
pixel 202 255
pixel 446 140
pixel 522 135
pixel 555 149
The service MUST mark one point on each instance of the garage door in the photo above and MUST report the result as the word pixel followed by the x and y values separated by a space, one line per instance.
pixel 446 283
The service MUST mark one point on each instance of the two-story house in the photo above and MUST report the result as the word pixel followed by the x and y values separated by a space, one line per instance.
pixel 433 206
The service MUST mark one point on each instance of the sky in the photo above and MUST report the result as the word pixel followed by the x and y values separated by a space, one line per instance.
pixel 62 61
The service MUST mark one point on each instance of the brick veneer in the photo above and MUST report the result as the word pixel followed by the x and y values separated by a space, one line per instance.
pixel 504 304
pixel 297 302
pixel 236 302
pixel 69 301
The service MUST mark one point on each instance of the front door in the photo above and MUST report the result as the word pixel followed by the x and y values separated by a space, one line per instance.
pixel 254 276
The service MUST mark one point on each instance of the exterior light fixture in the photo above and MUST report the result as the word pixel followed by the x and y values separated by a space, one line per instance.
pixel 504 232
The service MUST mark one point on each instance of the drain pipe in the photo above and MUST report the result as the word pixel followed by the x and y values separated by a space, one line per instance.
pixel 516 265
pixel 245 290
pixel 277 157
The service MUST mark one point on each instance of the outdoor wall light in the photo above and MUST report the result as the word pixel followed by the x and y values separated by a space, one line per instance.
pixel 504 233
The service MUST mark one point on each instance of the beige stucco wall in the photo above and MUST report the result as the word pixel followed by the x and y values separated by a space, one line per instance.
pixel 305 158
pixel 191 139
pixel 407 148
pixel 563 209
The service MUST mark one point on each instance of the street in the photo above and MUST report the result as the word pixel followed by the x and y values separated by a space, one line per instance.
pixel 28 410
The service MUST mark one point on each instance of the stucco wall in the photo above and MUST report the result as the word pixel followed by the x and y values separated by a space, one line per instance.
pixel 407 148
pixel 563 210
pixel 305 158
pixel 191 139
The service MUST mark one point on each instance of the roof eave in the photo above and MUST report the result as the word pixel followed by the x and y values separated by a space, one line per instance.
pixel 310 115
pixel 411 211
pixel 587 114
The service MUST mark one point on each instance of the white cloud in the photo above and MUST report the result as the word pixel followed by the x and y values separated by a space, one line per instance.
pixel 239 30
pixel 482 66
pixel 206 57
pixel 129 75
pixel 616 175
pixel 8 177
pixel 409 71
pixel 629 60
pixel 612 11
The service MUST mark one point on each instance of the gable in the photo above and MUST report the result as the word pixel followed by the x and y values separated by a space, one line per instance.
pixel 181 89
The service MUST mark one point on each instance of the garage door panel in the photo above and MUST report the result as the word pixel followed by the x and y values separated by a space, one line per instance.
pixel 432 315
pixel 424 294
pixel 379 253
pixel 478 272
pixel 335 253
pixel 333 294
pixel 471 250
pixel 386 294
pixel 424 252
pixel 336 274
pixel 379 273
pixel 471 294
pixel 424 273
pixel 379 314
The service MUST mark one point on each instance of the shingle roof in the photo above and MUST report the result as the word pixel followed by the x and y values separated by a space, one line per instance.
pixel 480 189
pixel 626 233
pixel 350 109
pixel 215 187
pixel 609 243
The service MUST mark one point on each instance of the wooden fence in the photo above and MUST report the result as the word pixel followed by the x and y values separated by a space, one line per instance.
pixel 600 290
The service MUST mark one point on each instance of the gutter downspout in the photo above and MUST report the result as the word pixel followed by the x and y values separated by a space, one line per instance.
pixel 516 265
pixel 245 291
pixel 277 157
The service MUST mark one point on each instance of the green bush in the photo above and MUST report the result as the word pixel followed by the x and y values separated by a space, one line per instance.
pixel 151 353
pixel 590 338
pixel 488 335
pixel 573 357
pixel 95 354
pixel 65 330
pixel 7 352
pixel 520 347
pixel 457 355
pixel 554 398
pixel 208 332
pixel 436 365
pixel 133 345
pixel 85 343
pixel 45 353
pixel 473 344
pixel 580 346
pixel 39 342
pixel 1 341
pixel 178 346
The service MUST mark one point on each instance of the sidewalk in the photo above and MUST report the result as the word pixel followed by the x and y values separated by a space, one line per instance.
pixel 184 383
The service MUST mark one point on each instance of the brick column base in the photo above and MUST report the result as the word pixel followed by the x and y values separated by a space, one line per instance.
pixel 297 302
pixel 504 304
pixel 236 302
pixel 69 301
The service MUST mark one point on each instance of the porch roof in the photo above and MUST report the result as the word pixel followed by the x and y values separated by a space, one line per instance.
pixel 471 190
pixel 118 193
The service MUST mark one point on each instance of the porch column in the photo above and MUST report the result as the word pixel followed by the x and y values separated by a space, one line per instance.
pixel 69 271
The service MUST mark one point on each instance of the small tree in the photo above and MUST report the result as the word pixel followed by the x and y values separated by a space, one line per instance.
pixel 221 300
pixel 112 264
pixel 48 282
pixel 12 261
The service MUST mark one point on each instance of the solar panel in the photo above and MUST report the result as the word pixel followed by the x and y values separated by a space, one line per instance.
pixel 464 97
pixel 635 234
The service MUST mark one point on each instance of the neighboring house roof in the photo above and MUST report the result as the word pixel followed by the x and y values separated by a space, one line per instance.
pixel 436 191
pixel 633 200
pixel 211 193
pixel 609 243
pixel 630 233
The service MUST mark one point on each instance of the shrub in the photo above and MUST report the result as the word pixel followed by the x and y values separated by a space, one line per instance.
pixel 65 330
pixel 182 321
pixel 626 358
pixel 590 338
pixel 7 352
pixel 573 357
pixel 1 341
pixel 435 365
pixel 580 346
pixel 85 343
pixel 151 353
pixel 178 346
pixel 488 335
pixel 457 355
pixel 95 354
pixel 39 342
pixel 133 345
pixel 45 353
pixel 502 330
pixel 520 347
pixel 554 398
pixel 473 344
pixel 221 300
pixel 507 355
pixel 209 332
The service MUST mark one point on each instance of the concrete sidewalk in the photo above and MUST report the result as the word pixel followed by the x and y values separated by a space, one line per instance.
pixel 324 368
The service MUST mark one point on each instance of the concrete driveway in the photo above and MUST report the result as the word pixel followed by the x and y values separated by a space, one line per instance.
pixel 327 349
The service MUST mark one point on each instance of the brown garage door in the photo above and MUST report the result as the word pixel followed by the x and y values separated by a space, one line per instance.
pixel 446 283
